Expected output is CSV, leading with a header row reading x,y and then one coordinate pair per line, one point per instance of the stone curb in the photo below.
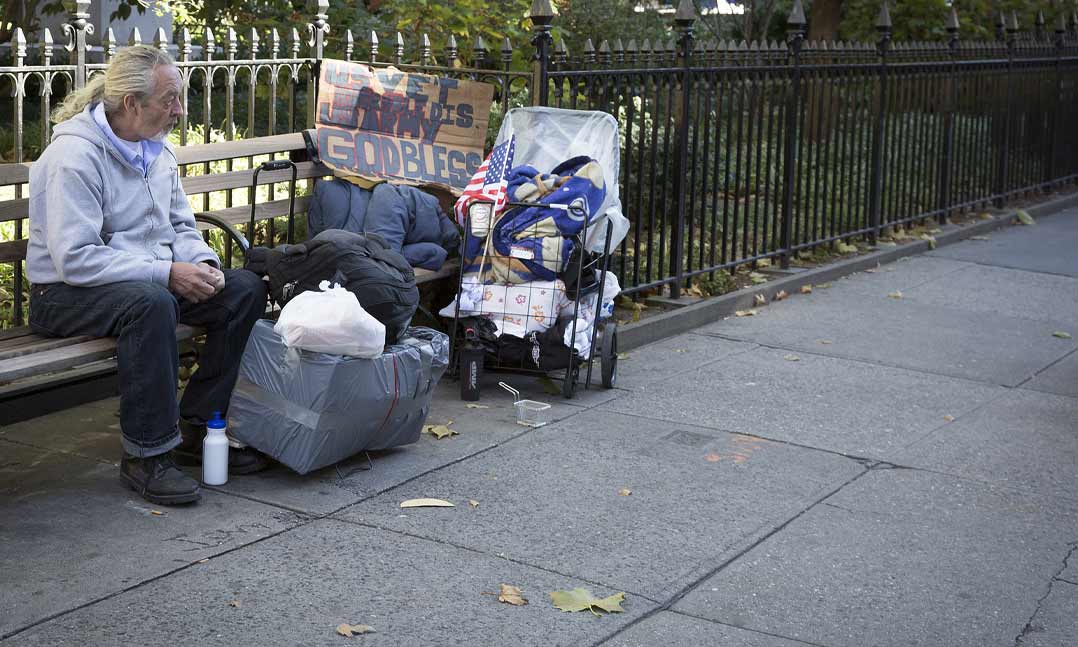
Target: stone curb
x,y
686,318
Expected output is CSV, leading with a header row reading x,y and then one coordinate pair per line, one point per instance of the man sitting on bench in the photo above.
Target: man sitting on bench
x,y
113,251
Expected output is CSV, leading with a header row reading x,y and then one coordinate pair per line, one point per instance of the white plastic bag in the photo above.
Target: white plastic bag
x,y
331,321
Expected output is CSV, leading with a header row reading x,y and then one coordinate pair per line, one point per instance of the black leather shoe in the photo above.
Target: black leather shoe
x,y
240,460
158,480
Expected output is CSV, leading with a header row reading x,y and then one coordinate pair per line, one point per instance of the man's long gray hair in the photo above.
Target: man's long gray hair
x,y
131,71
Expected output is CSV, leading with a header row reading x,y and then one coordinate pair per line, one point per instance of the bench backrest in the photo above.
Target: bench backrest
x,y
203,189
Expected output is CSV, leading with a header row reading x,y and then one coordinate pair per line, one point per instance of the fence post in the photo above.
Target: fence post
x,y
1001,176
1060,43
316,30
875,189
948,120
684,18
541,14
795,30
76,32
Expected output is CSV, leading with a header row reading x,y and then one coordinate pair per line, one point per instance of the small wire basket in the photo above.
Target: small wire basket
x,y
530,413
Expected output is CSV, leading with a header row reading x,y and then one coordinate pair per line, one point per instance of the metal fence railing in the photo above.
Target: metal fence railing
x,y
731,152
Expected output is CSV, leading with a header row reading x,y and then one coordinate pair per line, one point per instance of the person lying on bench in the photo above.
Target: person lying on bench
x,y
113,252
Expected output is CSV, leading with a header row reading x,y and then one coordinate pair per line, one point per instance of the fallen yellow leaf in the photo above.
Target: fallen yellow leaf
x,y
681,350
426,503
348,630
511,595
625,491
844,248
791,358
713,457
823,286
895,295
745,313
759,300
780,295
580,599
203,561
235,604
157,513
472,405
440,431
825,342
984,215
948,418
1061,334
1025,218
757,278
806,289
930,239
624,356
473,503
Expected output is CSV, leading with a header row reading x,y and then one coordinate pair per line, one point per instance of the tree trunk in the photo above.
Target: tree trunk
x,y
824,19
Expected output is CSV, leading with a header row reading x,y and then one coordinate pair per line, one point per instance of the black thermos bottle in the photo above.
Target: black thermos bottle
x,y
471,366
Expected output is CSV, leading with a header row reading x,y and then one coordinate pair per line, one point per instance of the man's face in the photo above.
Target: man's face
x,y
158,116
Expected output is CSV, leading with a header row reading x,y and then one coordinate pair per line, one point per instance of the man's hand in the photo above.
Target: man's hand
x,y
219,276
192,282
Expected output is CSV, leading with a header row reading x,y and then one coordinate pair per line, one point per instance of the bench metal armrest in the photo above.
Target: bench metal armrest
x,y
221,223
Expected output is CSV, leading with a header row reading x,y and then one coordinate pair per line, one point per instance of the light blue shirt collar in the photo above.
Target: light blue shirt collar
x,y
139,154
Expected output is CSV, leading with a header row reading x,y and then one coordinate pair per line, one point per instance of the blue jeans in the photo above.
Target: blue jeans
x,y
143,317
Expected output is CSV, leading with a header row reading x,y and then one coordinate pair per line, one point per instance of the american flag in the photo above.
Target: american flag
x,y
490,181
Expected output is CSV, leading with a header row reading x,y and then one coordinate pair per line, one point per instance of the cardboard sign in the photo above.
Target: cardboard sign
x,y
391,125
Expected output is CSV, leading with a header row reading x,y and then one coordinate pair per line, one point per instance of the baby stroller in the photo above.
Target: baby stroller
x,y
535,293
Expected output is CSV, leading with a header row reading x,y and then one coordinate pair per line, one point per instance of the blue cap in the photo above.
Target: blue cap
x,y
217,423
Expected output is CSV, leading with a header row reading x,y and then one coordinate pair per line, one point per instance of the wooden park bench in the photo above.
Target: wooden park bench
x,y
30,363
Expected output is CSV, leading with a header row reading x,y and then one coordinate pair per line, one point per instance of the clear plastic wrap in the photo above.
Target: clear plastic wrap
x,y
309,410
546,137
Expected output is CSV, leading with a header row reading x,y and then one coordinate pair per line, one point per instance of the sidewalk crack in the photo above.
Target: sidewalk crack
x,y
1020,638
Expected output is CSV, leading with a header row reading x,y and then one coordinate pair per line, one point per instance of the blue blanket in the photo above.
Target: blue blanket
x,y
410,220
532,243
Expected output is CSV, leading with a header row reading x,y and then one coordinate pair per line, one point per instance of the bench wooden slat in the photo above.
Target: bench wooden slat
x,y
19,172
64,357
263,211
12,333
14,209
195,184
36,344
197,153
12,251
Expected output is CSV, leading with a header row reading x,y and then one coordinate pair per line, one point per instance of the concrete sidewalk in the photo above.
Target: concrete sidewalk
x,y
889,460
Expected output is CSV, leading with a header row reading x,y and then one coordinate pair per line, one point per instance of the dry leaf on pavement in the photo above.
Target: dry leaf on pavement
x,y
791,358
510,595
624,491
426,503
348,630
473,405
931,240
1025,218
235,604
823,286
745,313
984,215
713,457
825,342
621,356
580,599
759,300
806,289
473,503
757,278
895,295
440,431
780,295
948,418
1061,334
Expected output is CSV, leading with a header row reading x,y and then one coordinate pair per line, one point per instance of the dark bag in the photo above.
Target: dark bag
x,y
380,278
538,351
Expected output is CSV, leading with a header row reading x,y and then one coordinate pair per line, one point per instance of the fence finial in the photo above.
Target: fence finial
x,y
135,38
318,27
232,43
685,15
883,18
589,51
507,51
796,21
1061,31
479,51
19,39
952,29
542,11
424,49
255,43
1038,25
160,40
604,52
185,44
1001,27
275,43
398,52
46,51
561,53
108,43
373,40
1012,24
209,47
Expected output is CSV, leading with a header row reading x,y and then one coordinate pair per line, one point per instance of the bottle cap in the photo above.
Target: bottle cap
x,y
217,422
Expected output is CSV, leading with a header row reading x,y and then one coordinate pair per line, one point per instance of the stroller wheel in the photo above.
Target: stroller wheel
x,y
609,355
572,374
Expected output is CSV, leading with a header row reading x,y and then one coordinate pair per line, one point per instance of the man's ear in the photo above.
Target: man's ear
x,y
130,102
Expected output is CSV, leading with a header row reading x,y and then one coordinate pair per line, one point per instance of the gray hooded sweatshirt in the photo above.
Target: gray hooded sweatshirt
x,y
95,219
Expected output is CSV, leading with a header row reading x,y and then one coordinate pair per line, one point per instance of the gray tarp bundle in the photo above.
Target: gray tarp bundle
x,y
309,410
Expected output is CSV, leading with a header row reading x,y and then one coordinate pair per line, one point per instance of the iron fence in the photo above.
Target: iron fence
x,y
732,152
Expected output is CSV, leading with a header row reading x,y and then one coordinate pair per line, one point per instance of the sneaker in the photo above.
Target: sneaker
x,y
241,460
158,480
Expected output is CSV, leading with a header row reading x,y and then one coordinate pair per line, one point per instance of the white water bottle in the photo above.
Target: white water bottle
x,y
215,452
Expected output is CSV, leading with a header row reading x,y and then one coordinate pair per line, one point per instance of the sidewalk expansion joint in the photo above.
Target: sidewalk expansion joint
x,y
477,551
1019,639
750,630
677,597
150,580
